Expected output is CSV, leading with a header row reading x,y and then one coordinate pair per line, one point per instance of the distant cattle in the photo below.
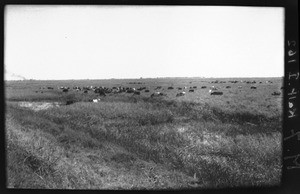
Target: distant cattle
x,y
180,94
65,90
96,100
147,90
216,93
50,88
253,87
85,91
156,94
69,102
276,93
100,91
137,92
170,88
179,88
191,90
158,87
228,87
194,86
203,87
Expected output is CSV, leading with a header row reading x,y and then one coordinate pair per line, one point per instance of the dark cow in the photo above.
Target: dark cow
x,y
85,91
203,87
228,87
180,94
100,91
156,94
137,92
50,88
69,102
158,87
276,93
216,93
170,88
147,90
191,90
195,87
130,90
65,90
253,87
179,88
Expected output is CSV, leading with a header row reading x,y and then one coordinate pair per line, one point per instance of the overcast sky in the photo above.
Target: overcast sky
x,y
99,42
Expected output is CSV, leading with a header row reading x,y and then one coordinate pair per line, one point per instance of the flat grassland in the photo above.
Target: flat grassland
x,y
129,141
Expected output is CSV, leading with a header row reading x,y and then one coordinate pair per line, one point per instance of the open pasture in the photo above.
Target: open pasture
x,y
130,141
238,96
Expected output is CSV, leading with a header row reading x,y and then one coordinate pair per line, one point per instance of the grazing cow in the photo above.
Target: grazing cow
x,y
203,87
130,90
158,87
216,93
137,92
50,88
156,94
195,87
180,94
100,91
85,91
191,90
69,102
96,100
213,88
65,90
147,90
179,88
253,87
228,87
276,93
170,88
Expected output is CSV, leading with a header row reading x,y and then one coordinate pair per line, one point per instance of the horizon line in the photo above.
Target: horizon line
x,y
141,78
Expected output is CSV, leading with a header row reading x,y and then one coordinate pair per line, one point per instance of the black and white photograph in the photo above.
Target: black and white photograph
x,y
136,97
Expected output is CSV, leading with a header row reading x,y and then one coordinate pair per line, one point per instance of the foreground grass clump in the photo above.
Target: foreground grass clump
x,y
195,139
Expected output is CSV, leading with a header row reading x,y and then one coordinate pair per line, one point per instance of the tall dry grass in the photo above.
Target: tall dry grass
x,y
215,145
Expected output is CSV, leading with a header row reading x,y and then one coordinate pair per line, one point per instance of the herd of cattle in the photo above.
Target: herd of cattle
x,y
103,91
